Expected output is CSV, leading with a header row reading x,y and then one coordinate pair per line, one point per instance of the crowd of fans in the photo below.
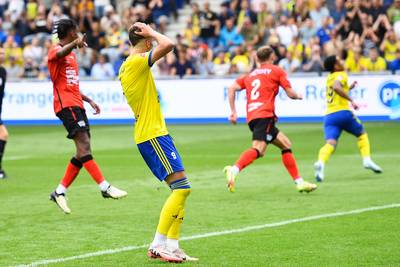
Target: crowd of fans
x,y
365,34
26,29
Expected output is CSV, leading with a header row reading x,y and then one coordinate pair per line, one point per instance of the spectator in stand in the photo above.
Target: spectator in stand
x,y
353,15
315,64
160,8
195,19
241,61
113,36
7,24
103,69
205,66
229,37
375,62
34,51
307,31
278,10
109,18
42,23
245,11
85,60
286,31
249,32
31,9
30,69
265,32
44,69
14,69
182,66
221,64
389,46
225,14
394,12
355,62
95,36
319,13
99,6
339,12
395,64
324,33
11,49
54,15
289,63
163,66
209,26
368,37
15,7
262,15
3,6
299,51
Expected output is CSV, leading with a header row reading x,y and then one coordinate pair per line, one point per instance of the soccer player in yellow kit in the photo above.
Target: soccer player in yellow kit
x,y
152,138
339,117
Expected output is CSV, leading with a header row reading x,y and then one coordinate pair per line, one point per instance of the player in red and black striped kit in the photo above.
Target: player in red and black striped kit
x,y
262,86
68,106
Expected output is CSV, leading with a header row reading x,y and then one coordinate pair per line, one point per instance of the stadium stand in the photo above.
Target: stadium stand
x,y
213,37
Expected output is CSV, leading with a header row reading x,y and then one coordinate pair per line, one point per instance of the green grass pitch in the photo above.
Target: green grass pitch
x,y
32,228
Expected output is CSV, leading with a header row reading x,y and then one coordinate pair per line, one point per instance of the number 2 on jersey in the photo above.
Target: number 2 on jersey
x,y
254,91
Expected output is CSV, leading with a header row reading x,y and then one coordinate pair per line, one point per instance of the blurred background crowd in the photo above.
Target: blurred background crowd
x,y
214,40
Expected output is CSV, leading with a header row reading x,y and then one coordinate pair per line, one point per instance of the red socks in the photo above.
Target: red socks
x,y
92,168
290,163
247,158
72,171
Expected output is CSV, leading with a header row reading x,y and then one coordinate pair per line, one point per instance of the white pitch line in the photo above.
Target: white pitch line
x,y
219,233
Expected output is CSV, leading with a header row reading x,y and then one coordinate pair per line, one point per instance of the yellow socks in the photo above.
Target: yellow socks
x,y
171,210
175,229
325,152
363,145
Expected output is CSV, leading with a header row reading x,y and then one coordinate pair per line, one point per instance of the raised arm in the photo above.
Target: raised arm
x,y
67,49
232,89
165,45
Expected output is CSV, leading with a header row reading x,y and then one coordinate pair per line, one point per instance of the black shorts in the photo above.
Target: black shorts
x,y
74,120
264,129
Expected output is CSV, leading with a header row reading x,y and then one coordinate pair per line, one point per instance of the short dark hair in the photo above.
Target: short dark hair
x,y
264,53
329,63
63,27
134,38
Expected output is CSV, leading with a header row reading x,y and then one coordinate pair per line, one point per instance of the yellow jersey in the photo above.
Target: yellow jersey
x,y
390,50
352,65
140,91
378,65
335,102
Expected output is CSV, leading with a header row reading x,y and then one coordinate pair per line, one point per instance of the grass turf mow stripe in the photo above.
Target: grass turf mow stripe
x,y
219,233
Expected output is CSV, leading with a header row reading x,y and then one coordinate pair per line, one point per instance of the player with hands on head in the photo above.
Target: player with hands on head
x,y
153,140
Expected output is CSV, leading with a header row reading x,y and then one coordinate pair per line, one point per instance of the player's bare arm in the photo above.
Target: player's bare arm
x,y
165,44
353,85
67,48
91,103
232,89
337,87
293,94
